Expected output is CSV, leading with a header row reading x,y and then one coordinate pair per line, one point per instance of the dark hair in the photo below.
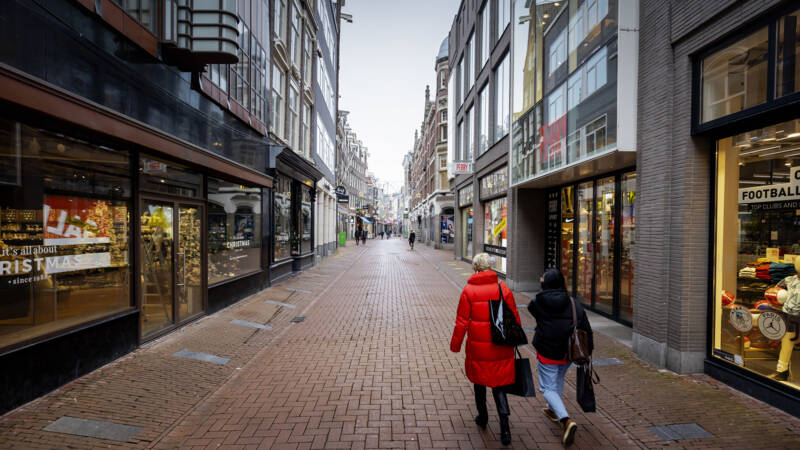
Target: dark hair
x,y
553,279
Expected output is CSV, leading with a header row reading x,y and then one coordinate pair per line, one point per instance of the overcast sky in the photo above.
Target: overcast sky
x,y
387,57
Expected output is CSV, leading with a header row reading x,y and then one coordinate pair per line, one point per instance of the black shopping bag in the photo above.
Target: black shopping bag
x,y
523,378
584,388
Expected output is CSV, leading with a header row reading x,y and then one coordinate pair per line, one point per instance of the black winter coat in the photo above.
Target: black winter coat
x,y
553,314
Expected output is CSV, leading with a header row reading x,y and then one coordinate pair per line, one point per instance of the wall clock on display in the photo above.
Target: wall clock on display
x,y
772,325
741,318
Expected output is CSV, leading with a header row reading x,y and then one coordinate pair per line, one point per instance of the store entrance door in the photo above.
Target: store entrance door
x,y
172,284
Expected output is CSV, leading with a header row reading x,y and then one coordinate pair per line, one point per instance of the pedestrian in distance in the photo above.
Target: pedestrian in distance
x,y
411,238
552,309
381,235
359,231
487,364
364,237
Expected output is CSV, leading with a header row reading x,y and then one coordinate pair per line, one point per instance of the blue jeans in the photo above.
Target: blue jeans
x,y
551,385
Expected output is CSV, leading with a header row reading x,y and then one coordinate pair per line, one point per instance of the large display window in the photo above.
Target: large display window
x,y
756,301
495,238
594,231
282,210
234,230
64,232
305,219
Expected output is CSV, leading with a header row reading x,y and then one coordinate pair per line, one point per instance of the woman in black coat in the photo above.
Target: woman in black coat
x,y
552,309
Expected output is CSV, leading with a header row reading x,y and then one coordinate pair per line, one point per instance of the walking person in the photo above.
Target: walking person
x,y
487,365
411,238
358,234
552,309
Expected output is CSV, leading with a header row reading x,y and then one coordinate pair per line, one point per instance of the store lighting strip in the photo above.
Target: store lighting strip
x,y
758,150
779,152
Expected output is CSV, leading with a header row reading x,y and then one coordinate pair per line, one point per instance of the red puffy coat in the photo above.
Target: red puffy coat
x,y
487,364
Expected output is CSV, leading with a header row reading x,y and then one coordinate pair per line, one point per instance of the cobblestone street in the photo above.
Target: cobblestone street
x,y
369,367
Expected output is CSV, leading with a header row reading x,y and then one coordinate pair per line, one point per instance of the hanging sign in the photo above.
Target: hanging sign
x,y
340,190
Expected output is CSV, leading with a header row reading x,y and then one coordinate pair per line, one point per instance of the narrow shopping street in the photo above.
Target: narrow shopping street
x,y
368,367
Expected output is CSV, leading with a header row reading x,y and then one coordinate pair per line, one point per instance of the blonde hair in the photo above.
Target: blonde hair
x,y
481,262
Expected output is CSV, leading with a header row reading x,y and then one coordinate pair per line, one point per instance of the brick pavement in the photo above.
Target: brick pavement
x,y
368,368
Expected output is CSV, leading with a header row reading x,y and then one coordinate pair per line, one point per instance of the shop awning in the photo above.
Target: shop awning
x,y
365,219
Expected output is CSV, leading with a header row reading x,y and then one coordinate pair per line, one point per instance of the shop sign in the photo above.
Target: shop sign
x,y
151,166
773,192
74,221
462,167
340,190
494,250
343,198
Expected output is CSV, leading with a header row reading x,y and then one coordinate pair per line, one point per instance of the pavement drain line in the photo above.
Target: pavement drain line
x,y
251,324
93,428
236,374
680,431
302,291
214,359
287,305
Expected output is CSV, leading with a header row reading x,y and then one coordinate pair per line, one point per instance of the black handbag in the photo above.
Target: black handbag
x,y
523,378
584,387
505,329
578,345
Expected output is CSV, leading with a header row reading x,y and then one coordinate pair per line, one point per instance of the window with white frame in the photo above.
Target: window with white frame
x,y
596,10
503,16
596,135
556,104
307,60
459,81
557,52
574,85
294,115
588,15
443,133
280,19
483,119
576,28
485,36
595,69
324,145
468,147
442,79
502,98
294,44
278,96
306,126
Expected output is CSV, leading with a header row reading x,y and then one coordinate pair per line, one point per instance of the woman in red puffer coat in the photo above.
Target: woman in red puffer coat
x,y
487,365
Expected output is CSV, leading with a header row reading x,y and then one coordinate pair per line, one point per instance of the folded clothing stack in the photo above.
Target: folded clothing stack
x,y
779,271
748,272
762,271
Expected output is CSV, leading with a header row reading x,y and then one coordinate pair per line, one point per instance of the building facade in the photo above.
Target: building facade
x,y
135,190
718,130
431,202
326,95
351,175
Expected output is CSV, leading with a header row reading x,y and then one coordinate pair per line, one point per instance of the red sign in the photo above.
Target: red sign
x,y
75,220
462,167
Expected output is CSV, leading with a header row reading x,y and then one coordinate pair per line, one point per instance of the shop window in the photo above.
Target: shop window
x,y
756,297
466,232
234,230
282,210
64,232
628,228
156,175
567,233
585,251
788,61
306,211
735,77
494,226
604,244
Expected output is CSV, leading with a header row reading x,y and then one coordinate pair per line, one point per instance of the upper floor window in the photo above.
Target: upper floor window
x,y
503,16
485,36
444,116
278,96
307,60
735,77
142,11
294,44
469,62
595,70
557,52
280,19
442,79
502,98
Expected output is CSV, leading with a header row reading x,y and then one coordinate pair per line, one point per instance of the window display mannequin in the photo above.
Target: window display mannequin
x,y
789,298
